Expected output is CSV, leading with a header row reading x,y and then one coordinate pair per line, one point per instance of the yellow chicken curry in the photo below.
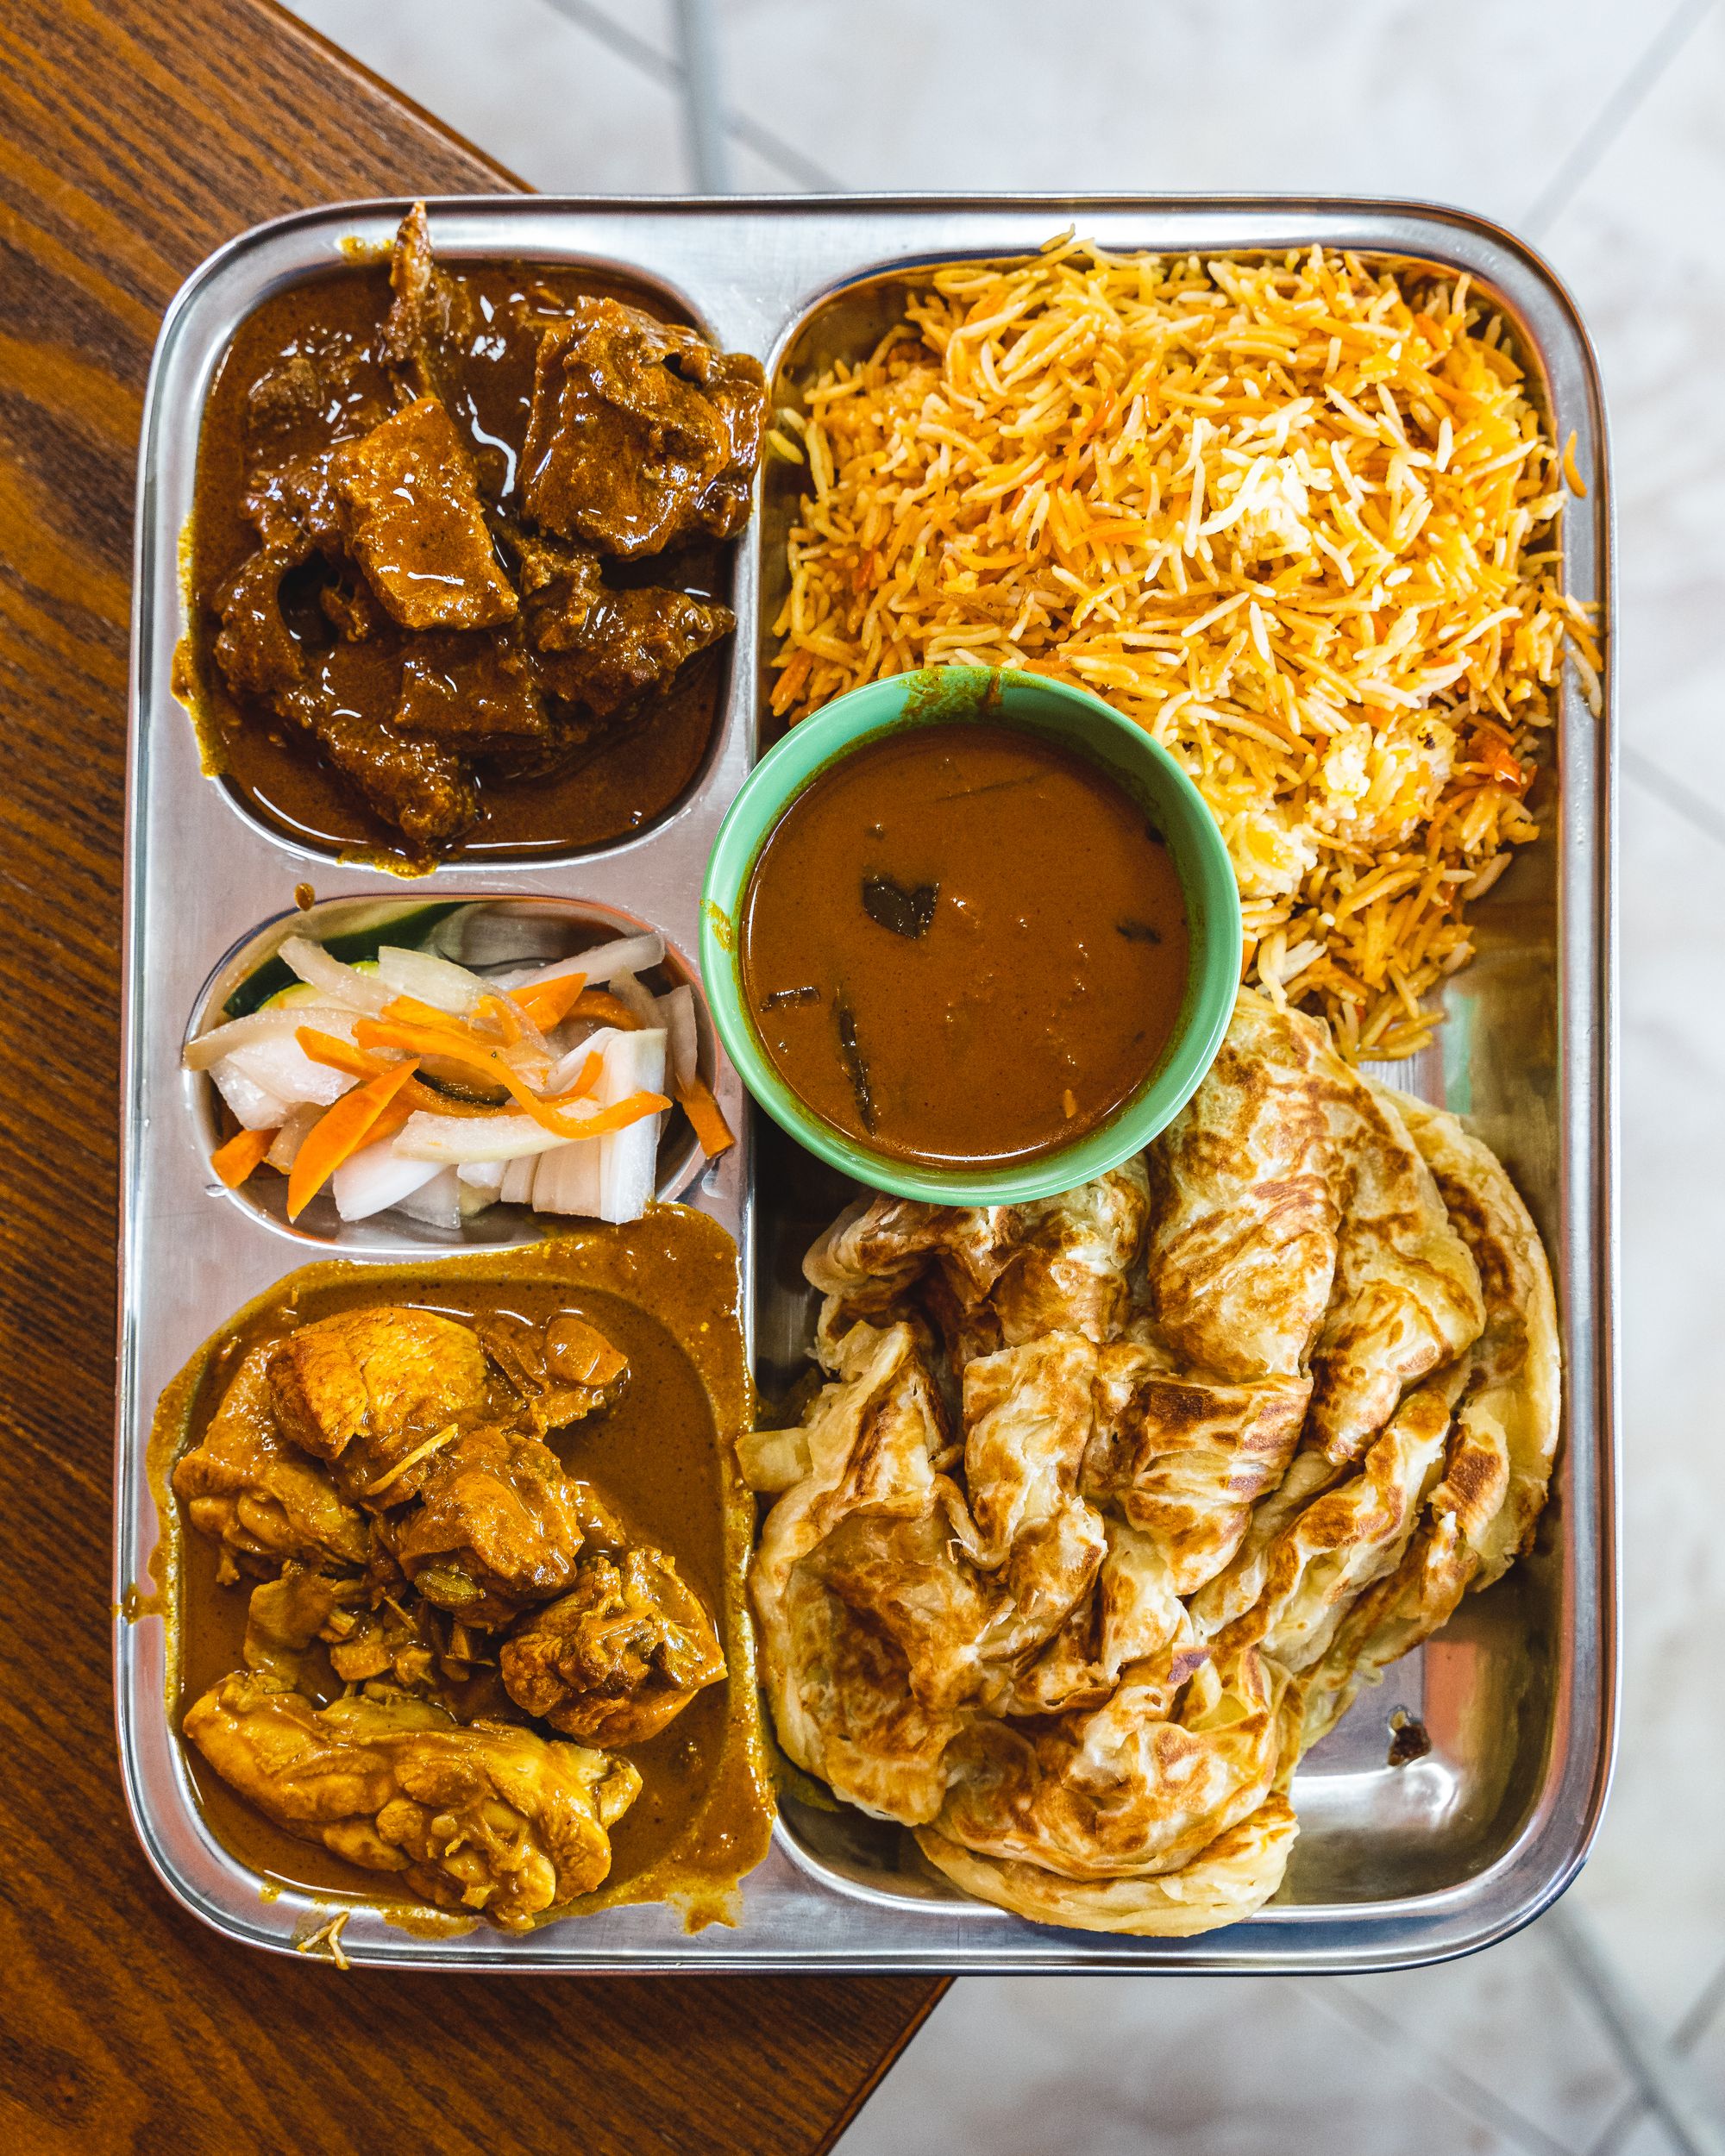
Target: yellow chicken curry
x,y
460,1604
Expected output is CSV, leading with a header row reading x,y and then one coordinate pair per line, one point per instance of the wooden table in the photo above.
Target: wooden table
x,y
135,138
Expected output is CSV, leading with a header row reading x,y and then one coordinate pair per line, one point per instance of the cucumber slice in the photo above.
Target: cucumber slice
x,y
301,992
355,947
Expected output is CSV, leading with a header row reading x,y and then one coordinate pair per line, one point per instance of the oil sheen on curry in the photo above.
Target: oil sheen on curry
x,y
456,565
965,943
459,1603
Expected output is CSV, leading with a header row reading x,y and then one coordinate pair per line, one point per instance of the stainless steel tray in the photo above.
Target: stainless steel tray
x,y
1394,1866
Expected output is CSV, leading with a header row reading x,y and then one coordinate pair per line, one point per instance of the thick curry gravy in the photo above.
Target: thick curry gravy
x,y
965,943
664,1292
620,781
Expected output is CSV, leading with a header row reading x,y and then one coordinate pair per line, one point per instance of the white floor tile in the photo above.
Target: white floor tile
x,y
1648,2138
1645,2135
1510,2021
1640,248
1101,2066
1479,105
557,107
654,21
1657,1881
1477,102
1706,2063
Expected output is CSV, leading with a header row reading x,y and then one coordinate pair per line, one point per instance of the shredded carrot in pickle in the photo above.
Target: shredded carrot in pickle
x,y
236,1160
394,1119
714,1134
587,1076
339,1131
462,1035
599,1003
415,1013
336,1054
339,1055
484,1057
491,1062
547,1003
496,1011
603,1122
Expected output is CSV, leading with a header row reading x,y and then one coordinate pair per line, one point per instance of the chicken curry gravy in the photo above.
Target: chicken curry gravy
x,y
456,561
965,943
460,1606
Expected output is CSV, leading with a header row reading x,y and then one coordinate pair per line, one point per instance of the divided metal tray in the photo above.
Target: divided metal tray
x,y
1394,1865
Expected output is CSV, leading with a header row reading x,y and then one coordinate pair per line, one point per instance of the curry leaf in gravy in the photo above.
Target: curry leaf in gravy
x,y
782,998
855,1068
909,913
1138,931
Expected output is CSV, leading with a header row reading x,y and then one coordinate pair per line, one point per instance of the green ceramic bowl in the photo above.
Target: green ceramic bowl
x,y
940,696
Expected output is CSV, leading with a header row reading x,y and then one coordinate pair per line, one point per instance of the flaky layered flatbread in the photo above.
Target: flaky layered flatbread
x,y
1228,1881
1112,1502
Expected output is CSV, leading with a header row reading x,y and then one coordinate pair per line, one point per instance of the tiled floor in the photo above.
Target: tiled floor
x,y
1594,127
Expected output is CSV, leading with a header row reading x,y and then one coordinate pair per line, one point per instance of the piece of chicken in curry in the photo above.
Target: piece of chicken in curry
x,y
617,1657
384,1475
486,1816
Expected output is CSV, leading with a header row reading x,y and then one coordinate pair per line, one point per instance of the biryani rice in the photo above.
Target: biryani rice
x,y
1296,517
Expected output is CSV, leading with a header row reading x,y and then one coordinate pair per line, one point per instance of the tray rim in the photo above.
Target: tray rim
x,y
1399,1933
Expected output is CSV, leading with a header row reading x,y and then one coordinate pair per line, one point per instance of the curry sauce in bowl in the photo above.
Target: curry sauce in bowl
x,y
970,936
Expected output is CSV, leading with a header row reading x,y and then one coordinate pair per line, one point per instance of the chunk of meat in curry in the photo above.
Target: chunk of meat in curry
x,y
401,613
375,1393
411,515
627,642
497,1526
249,1488
473,694
560,1372
431,311
418,784
641,433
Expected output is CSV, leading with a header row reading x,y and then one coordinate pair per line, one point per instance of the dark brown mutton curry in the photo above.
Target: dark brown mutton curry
x,y
457,559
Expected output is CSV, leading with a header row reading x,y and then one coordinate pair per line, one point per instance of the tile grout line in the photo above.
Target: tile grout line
x,y
659,67
1614,115
1667,2087
1468,2096
1685,2036
1699,2018
1653,778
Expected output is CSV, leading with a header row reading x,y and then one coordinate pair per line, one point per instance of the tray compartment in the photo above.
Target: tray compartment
x,y
578,923
288,792
1487,1692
